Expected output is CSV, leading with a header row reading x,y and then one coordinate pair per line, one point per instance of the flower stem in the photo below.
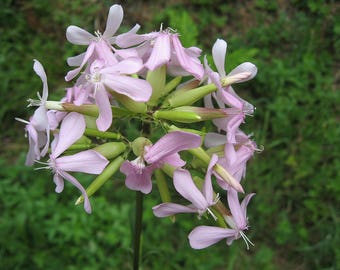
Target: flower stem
x,y
138,230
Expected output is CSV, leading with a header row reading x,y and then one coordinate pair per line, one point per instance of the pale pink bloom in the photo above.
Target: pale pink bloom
x,y
226,95
99,46
201,200
205,236
164,48
102,79
165,150
38,128
90,161
235,156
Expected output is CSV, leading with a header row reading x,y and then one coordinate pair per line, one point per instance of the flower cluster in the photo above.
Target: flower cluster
x,y
165,86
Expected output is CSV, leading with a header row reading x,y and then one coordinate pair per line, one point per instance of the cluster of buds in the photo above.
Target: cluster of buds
x,y
154,79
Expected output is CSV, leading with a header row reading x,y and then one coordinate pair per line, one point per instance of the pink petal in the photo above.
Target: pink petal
x,y
75,61
39,69
207,189
237,212
88,161
137,89
128,66
137,178
174,160
114,19
245,202
219,52
78,36
190,64
169,209
205,236
74,181
160,54
186,187
89,52
33,152
246,72
71,129
171,143
104,119
59,182
214,139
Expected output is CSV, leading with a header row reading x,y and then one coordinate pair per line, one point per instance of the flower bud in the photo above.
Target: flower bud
x,y
110,150
138,145
100,180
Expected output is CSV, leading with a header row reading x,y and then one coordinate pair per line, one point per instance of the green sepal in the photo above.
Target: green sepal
x,y
129,104
162,186
102,134
101,179
156,78
111,149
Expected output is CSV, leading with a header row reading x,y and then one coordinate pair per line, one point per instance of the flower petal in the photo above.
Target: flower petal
x,y
219,51
171,143
75,61
39,70
74,181
71,129
128,66
104,119
88,161
160,54
245,72
207,189
205,236
78,36
188,63
114,20
169,209
137,89
137,178
186,187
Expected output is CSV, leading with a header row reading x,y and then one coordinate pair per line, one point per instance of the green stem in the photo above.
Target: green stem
x,y
138,230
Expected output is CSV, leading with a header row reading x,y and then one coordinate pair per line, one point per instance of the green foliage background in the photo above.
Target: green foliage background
x,y
295,215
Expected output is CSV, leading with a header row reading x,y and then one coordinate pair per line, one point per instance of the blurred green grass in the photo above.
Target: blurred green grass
x,y
295,215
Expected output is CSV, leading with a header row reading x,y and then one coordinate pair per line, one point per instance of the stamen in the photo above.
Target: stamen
x,y
211,213
22,120
246,240
34,102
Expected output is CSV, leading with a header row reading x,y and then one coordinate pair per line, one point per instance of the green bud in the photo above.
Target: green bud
x,y
101,179
138,145
86,109
128,103
101,134
172,84
189,97
178,116
110,150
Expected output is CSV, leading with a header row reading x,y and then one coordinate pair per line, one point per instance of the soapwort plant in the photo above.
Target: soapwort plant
x,y
153,78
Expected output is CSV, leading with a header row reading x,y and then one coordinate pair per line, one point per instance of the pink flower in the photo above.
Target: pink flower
x,y
226,95
99,46
102,79
201,200
205,236
235,156
90,161
164,48
165,150
38,127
